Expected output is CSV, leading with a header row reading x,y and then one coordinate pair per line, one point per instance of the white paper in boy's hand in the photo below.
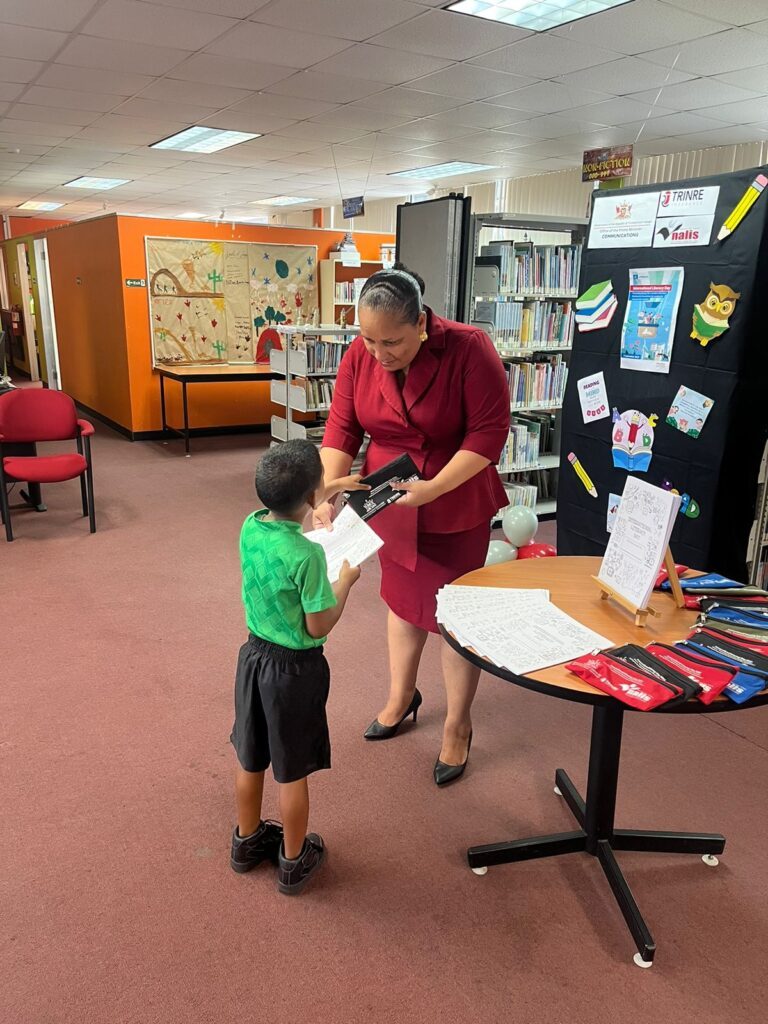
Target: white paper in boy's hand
x,y
351,540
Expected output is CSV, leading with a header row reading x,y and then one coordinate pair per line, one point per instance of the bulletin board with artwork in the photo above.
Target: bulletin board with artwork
x,y
214,302
678,372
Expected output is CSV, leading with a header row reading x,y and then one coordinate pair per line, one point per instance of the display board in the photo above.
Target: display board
x,y
684,364
433,240
220,302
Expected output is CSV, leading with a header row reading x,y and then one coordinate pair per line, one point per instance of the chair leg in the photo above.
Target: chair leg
x,y
89,490
83,491
5,508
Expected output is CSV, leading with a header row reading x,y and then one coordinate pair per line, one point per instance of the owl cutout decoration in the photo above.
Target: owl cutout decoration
x,y
632,440
710,317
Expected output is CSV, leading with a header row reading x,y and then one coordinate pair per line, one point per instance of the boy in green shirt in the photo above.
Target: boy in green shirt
x,y
282,679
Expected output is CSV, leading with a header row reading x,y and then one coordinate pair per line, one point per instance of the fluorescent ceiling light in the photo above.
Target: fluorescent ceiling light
x,y
96,183
442,170
31,205
198,139
282,201
534,15
191,215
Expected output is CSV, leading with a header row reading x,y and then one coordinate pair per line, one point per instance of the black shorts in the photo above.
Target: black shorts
x,y
280,697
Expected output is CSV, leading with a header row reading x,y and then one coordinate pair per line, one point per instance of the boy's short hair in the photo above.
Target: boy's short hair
x,y
287,475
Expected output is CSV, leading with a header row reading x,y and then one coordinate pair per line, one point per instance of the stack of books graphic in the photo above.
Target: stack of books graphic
x,y
595,308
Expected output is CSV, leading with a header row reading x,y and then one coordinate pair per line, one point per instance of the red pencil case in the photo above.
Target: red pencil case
x,y
620,681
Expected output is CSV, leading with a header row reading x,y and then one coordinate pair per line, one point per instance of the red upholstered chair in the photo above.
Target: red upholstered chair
x,y
31,415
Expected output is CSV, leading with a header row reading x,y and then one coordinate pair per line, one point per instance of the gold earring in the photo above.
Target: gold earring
x,y
423,336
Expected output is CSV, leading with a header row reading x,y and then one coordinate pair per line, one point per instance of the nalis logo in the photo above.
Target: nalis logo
x,y
678,234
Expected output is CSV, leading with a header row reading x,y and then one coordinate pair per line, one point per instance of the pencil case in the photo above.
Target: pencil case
x,y
680,685
622,681
711,676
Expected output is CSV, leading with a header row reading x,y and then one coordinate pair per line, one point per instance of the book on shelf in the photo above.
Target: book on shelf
x,y
322,356
537,322
538,381
521,494
319,392
528,268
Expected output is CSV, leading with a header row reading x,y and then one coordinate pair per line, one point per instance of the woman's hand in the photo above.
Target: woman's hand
x,y
417,493
322,516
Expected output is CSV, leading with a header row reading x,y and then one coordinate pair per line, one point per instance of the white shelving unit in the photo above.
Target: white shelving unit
x,y
485,286
293,364
335,276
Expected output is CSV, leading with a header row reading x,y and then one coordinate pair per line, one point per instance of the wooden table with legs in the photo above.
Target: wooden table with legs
x,y
572,590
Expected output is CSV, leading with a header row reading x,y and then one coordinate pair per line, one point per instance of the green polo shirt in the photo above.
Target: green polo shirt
x,y
284,576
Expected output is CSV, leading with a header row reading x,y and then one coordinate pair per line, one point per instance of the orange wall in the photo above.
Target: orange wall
x,y
210,405
30,225
87,288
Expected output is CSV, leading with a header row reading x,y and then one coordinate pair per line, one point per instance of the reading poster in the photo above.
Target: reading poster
x,y
649,321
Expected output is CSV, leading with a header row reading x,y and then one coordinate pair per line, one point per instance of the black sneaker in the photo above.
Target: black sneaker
x,y
293,875
264,844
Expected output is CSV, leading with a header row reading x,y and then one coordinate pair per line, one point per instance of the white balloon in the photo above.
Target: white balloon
x,y
499,552
519,525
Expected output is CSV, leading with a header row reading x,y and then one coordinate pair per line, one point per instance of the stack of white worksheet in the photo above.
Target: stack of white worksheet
x,y
520,630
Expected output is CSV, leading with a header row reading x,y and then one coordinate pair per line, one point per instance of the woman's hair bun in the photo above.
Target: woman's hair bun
x,y
407,270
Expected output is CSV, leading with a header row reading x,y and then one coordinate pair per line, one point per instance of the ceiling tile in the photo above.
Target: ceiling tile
x,y
243,74
53,115
141,22
619,111
429,131
551,126
29,43
639,26
344,19
471,83
444,34
728,51
549,97
409,102
44,14
673,124
697,94
72,98
44,129
746,112
755,79
10,90
283,106
381,64
735,12
241,121
204,93
534,55
230,8
119,55
286,47
333,88
627,75
19,70
192,113
359,117
308,131
480,115
726,136
91,81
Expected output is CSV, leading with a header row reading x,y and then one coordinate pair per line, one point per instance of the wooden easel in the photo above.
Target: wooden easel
x,y
641,614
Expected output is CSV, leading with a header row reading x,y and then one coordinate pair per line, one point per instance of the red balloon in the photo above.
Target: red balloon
x,y
537,551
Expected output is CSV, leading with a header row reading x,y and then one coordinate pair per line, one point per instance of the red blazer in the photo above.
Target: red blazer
x,y
455,398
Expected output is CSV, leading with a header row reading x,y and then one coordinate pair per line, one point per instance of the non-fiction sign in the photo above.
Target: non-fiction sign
x,y
605,164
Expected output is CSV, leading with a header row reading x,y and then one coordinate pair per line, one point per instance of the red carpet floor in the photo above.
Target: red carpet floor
x,y
117,903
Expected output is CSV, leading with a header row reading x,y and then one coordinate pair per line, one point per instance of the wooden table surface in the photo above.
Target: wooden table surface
x,y
216,371
570,588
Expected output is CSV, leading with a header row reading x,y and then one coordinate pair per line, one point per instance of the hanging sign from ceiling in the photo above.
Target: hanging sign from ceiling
x,y
605,164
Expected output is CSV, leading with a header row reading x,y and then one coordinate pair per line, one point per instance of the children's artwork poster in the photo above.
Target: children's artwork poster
x,y
632,439
593,397
650,318
614,500
220,302
688,412
711,317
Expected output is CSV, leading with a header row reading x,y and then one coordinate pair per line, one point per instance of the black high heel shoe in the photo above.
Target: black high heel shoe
x,y
377,731
445,773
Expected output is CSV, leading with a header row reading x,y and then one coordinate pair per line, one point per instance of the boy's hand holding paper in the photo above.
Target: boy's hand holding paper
x,y
351,540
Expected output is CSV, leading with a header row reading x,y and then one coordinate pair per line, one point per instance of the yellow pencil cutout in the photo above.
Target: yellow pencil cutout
x,y
582,475
742,208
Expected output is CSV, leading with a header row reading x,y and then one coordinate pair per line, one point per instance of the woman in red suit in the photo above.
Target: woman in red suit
x,y
437,390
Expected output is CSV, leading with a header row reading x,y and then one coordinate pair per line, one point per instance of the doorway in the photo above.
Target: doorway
x,y
46,318
28,311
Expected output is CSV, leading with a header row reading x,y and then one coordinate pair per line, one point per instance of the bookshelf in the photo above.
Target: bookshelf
x,y
340,288
521,290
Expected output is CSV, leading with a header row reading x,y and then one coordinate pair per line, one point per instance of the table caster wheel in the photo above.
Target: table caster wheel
x,y
645,964
480,871
187,456
558,791
710,860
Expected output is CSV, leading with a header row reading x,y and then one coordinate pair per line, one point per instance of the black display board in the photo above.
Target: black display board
x,y
719,469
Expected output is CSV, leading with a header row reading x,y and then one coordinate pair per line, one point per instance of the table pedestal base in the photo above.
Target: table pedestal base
x,y
596,834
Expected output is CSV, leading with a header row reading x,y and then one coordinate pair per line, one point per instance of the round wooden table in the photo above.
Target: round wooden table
x,y
572,590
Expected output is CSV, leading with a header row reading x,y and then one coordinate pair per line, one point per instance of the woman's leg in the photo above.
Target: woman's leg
x,y
405,642
461,680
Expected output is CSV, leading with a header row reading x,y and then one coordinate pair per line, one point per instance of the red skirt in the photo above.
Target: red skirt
x,y
441,558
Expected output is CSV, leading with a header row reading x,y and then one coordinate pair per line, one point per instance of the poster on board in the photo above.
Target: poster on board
x,y
648,332
623,221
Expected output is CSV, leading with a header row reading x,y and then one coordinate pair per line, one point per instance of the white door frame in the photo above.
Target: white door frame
x,y
29,326
45,315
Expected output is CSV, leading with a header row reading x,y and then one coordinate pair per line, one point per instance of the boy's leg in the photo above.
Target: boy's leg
x,y
249,788
294,810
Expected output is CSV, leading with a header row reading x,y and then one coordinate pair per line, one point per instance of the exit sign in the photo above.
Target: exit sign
x,y
135,282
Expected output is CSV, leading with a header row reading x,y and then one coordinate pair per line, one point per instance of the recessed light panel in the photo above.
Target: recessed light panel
x,y
96,183
442,170
203,140
32,205
282,201
534,15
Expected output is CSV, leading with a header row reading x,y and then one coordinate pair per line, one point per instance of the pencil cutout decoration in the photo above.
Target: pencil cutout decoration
x,y
742,208
582,474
